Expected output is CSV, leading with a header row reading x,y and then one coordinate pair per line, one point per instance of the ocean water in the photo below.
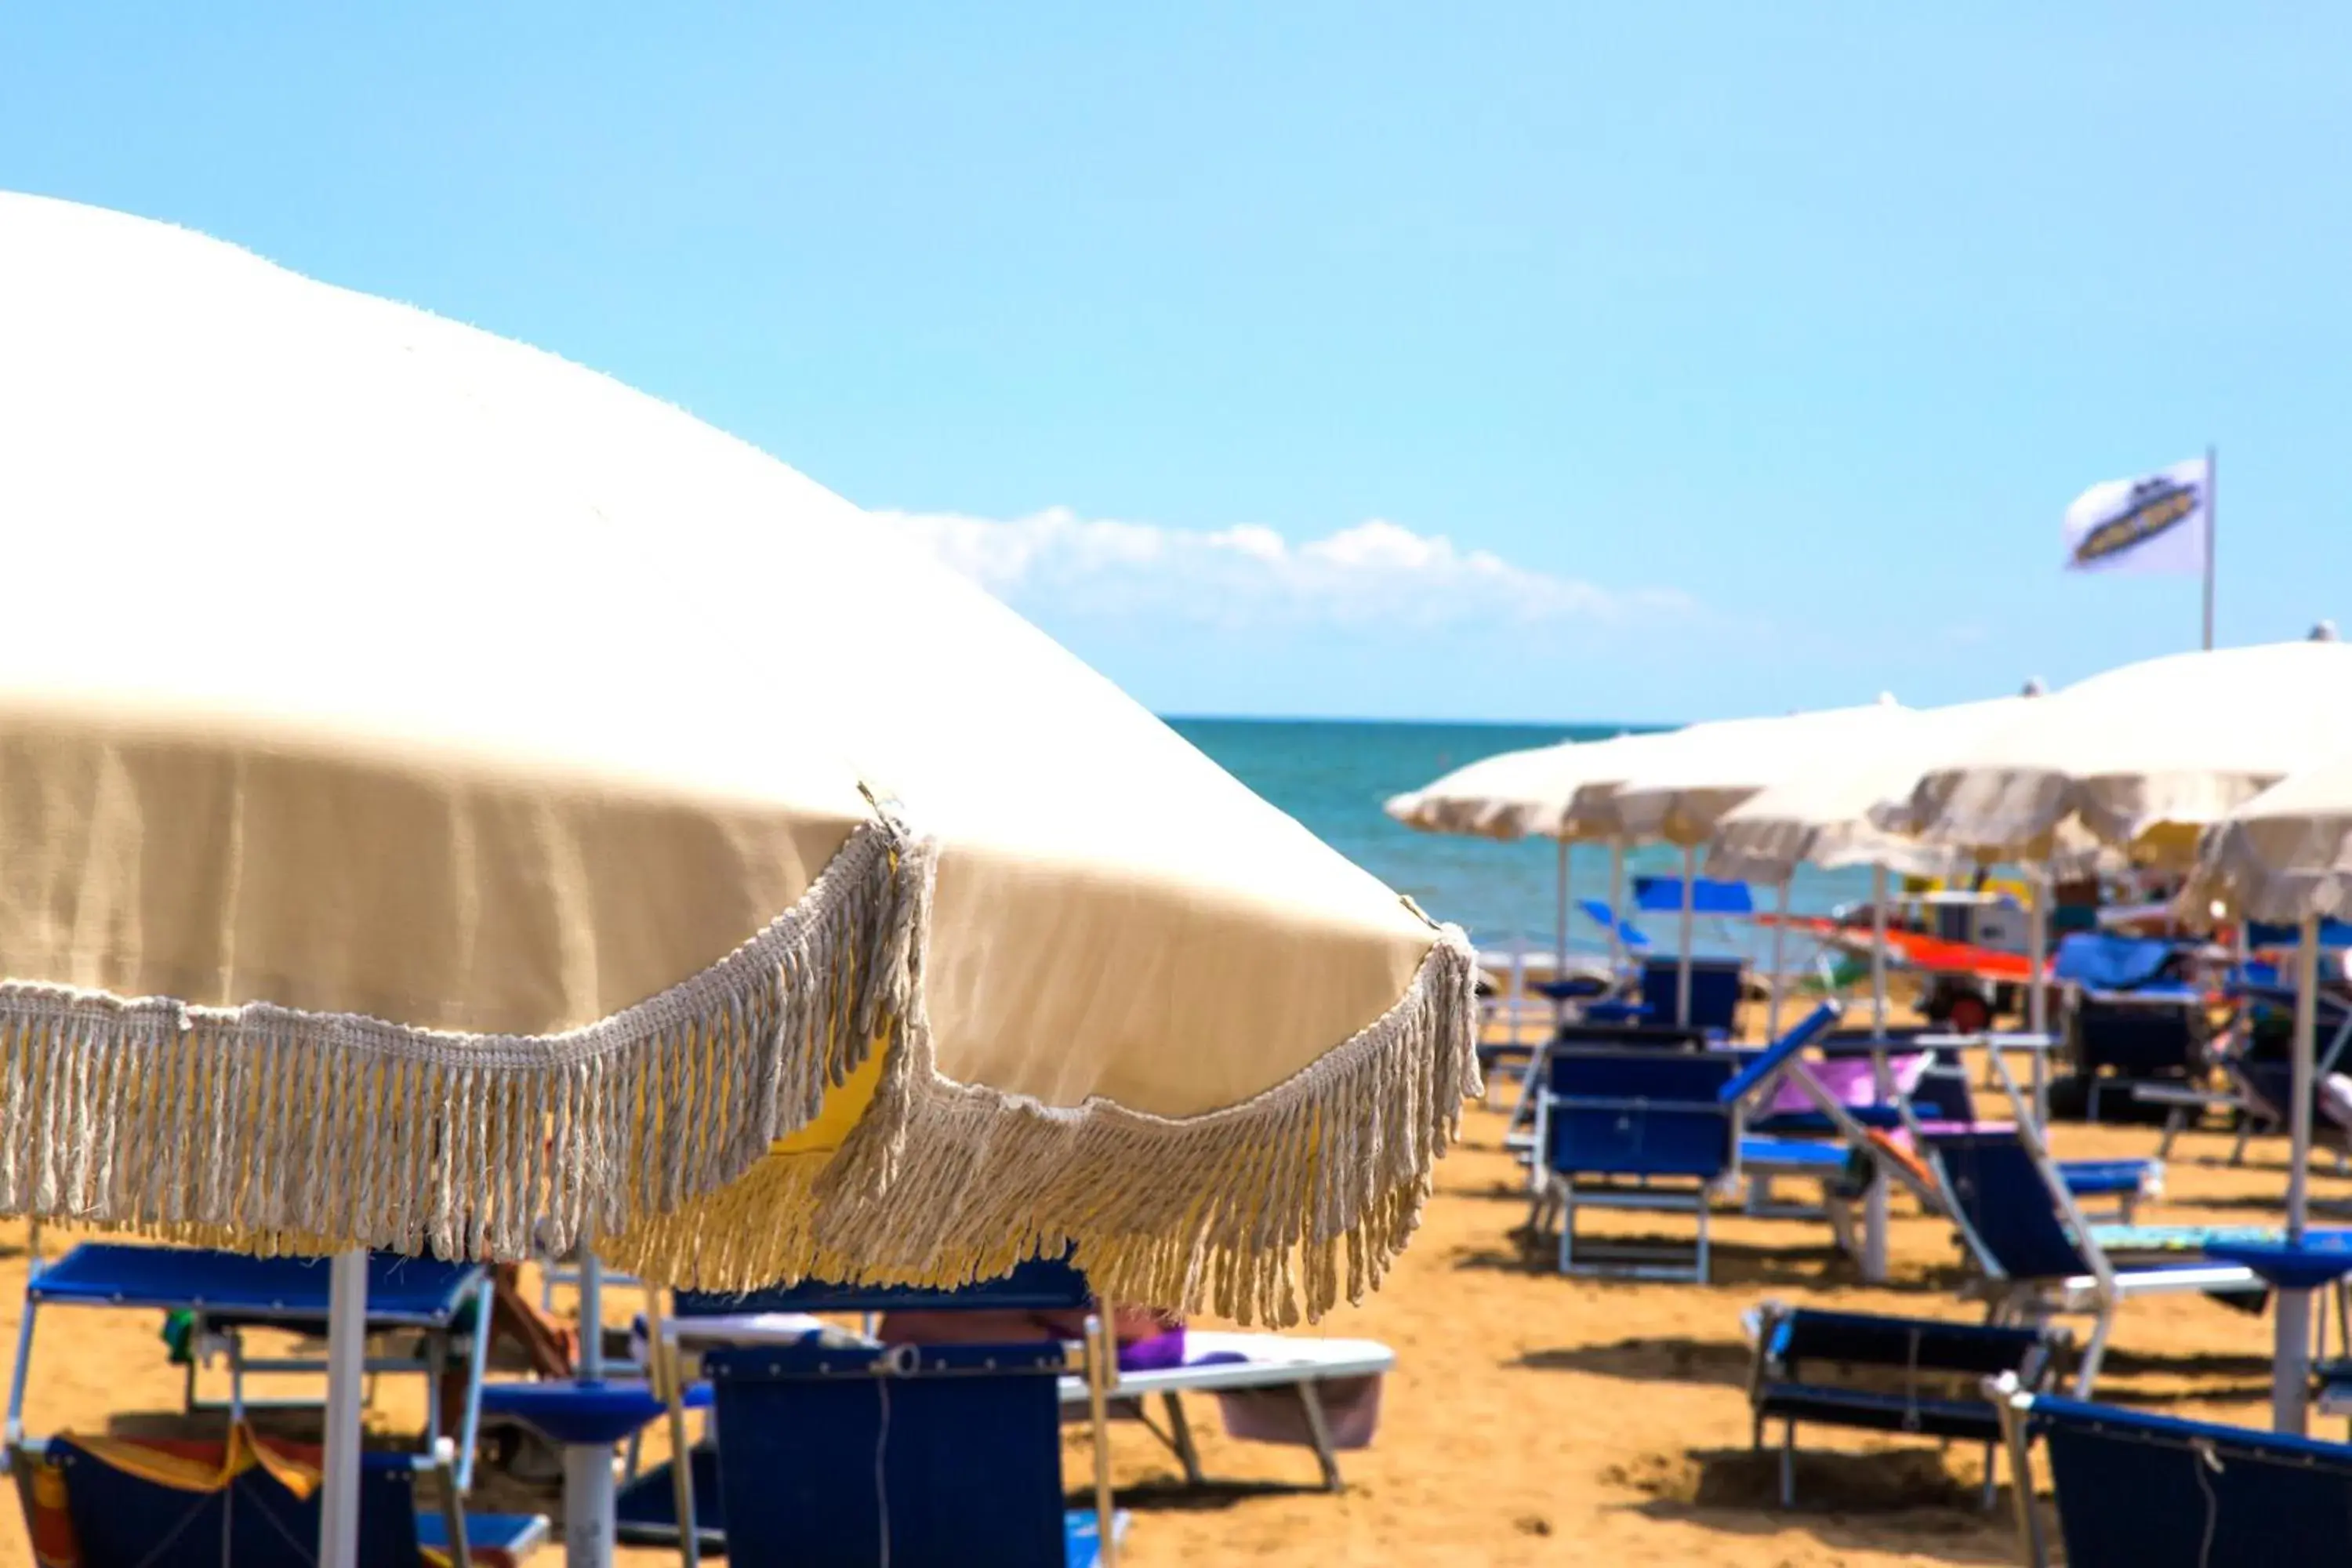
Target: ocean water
x,y
1333,775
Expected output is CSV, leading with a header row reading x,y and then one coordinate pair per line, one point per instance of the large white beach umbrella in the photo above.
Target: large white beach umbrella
x,y
1827,816
1515,795
2146,756
446,795
2142,758
1684,789
2287,856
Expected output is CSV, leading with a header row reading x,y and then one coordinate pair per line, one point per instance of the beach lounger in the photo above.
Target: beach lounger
x,y
1650,1130
225,1293
246,1502
1940,1101
1910,1375
2039,1255
2261,1087
828,1452
1522,1133
1319,1394
2138,1491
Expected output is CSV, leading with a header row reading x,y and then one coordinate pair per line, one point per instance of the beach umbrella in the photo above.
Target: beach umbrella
x,y
2145,756
2287,856
1824,816
448,799
1516,795
2142,758
1684,788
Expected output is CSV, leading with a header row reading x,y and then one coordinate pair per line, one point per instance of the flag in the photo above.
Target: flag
x,y
2158,523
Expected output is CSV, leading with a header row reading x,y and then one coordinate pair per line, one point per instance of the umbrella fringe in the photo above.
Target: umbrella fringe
x,y
1270,1211
271,1129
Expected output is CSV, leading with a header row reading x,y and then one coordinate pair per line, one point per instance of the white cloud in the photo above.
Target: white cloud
x,y
1375,571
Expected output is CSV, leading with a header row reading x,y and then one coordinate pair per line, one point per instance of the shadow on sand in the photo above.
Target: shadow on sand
x,y
1905,1500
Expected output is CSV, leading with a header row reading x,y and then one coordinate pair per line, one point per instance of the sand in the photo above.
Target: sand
x,y
1532,1420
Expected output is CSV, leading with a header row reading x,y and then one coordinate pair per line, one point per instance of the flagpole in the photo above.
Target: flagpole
x,y
2212,522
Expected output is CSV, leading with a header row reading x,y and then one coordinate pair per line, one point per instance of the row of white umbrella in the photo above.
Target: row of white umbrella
x,y
2225,764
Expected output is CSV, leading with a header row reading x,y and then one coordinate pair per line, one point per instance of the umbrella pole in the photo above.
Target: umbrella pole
x,y
2290,1320
1878,950
339,1497
2037,994
1559,944
588,1503
1779,949
1616,908
1875,1218
1683,968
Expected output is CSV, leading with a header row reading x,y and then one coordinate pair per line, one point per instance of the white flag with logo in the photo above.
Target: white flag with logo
x,y
2155,524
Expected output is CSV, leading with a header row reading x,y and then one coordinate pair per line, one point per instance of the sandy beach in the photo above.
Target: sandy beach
x,y
1532,1420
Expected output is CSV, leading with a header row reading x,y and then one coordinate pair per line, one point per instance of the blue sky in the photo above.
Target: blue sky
x,y
1535,362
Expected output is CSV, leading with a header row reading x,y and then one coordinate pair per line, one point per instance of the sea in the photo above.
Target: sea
x,y
1332,775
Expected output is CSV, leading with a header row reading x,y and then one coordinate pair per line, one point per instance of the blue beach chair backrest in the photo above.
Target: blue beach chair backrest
x,y
1715,990
1038,1285
1865,1339
1639,1112
2002,1197
1657,1037
1664,895
953,1450
1774,1057
2136,1490
125,1520
1600,914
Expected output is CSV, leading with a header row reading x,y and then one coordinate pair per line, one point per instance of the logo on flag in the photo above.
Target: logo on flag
x,y
2153,524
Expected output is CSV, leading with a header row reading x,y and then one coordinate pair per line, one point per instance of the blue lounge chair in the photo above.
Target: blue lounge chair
x,y
2261,1086
121,1517
832,1456
2136,1490
1802,1373
1715,985
1629,936
225,1292
1651,1129
2038,1255
1942,1099
2133,1020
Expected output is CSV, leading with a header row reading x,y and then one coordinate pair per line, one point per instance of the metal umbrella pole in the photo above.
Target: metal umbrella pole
x,y
1780,950
338,1493
1683,964
2037,994
1559,942
1876,1218
1616,906
2291,1321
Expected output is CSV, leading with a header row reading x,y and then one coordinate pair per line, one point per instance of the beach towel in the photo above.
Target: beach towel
x,y
1851,1080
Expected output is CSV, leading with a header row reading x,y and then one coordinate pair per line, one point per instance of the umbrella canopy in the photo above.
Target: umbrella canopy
x,y
1515,794
446,795
1682,789
2286,854
1823,815
2145,756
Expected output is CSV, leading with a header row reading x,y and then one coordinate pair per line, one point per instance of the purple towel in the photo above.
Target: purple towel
x,y
1159,1353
